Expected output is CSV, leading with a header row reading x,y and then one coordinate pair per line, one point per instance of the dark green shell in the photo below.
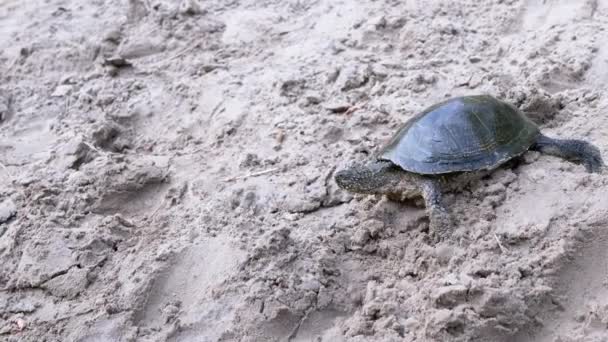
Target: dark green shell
x,y
461,134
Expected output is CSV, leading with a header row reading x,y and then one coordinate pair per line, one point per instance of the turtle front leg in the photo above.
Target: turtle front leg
x,y
440,219
571,149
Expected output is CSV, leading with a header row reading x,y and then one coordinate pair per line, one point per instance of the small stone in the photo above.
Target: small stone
x,y
302,206
21,324
336,48
537,175
337,107
494,302
387,322
494,189
4,107
112,308
445,318
292,88
134,112
171,311
99,302
113,36
353,76
380,71
22,305
474,59
190,7
450,296
333,75
137,10
105,134
360,237
505,177
461,81
396,21
372,310
249,201
312,98
375,227
378,23
411,324
426,78
311,285
117,62
8,209
370,291
494,200
105,99
250,160
75,153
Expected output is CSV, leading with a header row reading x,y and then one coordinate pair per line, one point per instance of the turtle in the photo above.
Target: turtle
x,y
451,143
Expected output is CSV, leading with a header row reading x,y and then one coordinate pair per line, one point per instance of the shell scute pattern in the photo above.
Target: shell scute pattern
x,y
461,134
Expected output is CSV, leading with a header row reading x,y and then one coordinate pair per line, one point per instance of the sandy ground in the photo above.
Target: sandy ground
x,y
167,172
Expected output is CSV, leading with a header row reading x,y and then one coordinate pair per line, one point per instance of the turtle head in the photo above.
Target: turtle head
x,y
374,178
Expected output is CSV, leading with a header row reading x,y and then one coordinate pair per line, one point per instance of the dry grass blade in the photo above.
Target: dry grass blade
x,y
7,171
254,174
502,248
177,55
93,148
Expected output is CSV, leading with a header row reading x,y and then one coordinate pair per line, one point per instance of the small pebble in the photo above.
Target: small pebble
x,y
8,209
474,59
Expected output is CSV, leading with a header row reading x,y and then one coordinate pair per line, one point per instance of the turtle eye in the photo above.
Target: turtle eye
x,y
342,178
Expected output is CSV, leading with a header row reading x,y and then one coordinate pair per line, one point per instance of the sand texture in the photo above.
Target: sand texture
x,y
167,172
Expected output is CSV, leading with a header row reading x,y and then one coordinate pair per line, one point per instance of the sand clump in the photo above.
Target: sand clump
x,y
167,172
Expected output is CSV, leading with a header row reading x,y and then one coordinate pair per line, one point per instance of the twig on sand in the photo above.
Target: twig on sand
x,y
296,329
177,55
162,204
502,248
215,110
11,67
254,174
93,148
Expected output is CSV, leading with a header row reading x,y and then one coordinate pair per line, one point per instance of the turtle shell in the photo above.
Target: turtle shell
x,y
466,133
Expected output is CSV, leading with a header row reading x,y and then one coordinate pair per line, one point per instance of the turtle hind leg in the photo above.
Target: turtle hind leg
x,y
571,149
440,220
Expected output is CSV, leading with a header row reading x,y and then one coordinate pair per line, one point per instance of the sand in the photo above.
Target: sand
x,y
167,172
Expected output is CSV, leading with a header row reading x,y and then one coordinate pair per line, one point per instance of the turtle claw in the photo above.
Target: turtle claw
x,y
593,167
589,155
440,220
593,161
441,223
